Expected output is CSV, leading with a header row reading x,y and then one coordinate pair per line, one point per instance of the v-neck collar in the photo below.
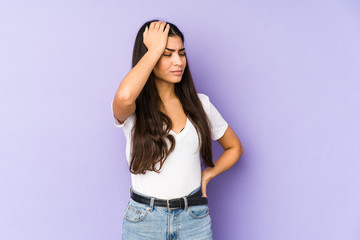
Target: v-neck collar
x,y
183,130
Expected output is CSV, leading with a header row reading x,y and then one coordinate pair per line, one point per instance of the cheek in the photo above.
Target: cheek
x,y
158,69
184,62
162,66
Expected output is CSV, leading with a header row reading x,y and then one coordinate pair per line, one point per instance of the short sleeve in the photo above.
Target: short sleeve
x,y
218,124
127,122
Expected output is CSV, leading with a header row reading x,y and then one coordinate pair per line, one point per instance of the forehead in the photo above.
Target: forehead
x,y
174,42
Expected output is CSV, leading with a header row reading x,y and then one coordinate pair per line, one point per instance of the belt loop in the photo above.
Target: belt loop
x,y
186,204
152,203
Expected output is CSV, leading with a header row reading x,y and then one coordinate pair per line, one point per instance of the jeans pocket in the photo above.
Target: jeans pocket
x,y
135,212
198,211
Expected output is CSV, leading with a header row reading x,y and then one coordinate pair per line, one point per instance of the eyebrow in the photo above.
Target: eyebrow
x,y
172,50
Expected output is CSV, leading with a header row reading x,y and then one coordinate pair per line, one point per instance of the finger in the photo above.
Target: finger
x,y
167,28
152,25
157,25
145,33
146,30
163,26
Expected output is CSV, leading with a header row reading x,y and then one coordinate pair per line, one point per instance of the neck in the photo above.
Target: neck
x,y
166,90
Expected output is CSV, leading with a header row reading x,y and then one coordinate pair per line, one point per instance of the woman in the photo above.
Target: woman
x,y
168,125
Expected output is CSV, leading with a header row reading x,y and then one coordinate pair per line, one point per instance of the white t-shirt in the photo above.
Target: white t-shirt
x,y
181,171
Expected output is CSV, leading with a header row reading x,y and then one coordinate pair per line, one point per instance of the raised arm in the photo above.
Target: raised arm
x,y
155,39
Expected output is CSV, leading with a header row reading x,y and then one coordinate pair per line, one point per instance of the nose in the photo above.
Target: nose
x,y
177,60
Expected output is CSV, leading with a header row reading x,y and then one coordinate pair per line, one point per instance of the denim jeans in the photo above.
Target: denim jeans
x,y
142,221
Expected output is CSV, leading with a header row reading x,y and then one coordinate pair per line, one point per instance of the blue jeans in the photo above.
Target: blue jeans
x,y
142,221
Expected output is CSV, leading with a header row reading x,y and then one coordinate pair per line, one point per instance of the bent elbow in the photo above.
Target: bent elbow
x,y
125,97
240,151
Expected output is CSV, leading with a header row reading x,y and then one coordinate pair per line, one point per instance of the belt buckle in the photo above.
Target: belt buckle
x,y
168,205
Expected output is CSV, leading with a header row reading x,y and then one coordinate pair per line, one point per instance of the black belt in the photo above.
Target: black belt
x,y
192,200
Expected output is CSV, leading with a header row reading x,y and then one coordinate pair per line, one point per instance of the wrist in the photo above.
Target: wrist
x,y
210,173
155,52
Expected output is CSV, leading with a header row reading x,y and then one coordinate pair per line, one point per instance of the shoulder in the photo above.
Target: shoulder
x,y
205,101
218,125
203,97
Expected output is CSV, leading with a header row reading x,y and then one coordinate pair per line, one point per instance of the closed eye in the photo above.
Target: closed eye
x,y
170,54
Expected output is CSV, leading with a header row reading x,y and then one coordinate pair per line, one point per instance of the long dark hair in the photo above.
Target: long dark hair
x,y
149,139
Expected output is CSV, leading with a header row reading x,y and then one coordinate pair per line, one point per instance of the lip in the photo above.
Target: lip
x,y
178,73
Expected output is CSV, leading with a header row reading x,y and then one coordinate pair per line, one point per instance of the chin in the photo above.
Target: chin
x,y
179,80
172,79
175,79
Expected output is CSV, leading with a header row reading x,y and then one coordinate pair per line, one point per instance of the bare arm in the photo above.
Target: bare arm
x,y
233,151
131,86
155,39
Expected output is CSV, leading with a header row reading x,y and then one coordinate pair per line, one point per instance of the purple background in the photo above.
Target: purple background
x,y
284,74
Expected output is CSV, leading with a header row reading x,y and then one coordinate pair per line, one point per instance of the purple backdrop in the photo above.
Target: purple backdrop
x,y
285,75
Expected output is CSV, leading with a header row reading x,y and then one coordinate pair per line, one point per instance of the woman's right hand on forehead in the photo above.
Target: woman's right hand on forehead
x,y
155,37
